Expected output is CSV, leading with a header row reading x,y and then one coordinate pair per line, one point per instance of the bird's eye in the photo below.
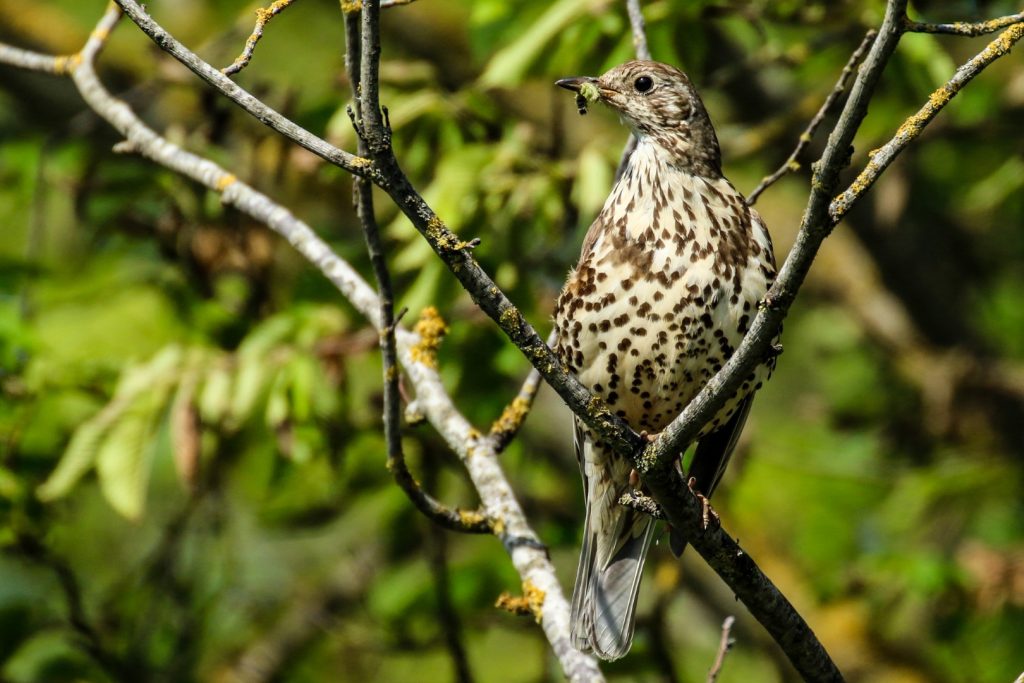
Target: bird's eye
x,y
643,84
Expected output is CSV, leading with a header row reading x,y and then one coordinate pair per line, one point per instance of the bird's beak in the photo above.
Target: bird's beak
x,y
575,82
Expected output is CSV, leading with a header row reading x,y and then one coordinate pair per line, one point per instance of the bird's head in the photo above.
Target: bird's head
x,y
660,104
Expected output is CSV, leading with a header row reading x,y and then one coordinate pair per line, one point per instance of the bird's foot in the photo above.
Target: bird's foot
x,y
650,438
707,512
634,478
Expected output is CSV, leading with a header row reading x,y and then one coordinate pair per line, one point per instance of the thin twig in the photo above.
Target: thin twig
x,y
374,130
724,645
912,127
766,603
639,29
791,164
505,428
964,28
437,512
263,16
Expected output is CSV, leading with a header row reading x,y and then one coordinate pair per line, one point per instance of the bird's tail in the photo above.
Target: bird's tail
x,y
615,544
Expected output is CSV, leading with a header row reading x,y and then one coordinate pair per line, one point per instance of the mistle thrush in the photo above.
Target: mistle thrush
x,y
669,279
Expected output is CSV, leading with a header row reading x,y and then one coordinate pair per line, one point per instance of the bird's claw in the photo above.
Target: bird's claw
x,y
650,438
707,512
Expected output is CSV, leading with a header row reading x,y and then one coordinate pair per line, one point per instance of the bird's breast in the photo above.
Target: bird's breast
x,y
663,295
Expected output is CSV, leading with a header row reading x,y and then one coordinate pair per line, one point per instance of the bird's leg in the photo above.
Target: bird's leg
x,y
707,512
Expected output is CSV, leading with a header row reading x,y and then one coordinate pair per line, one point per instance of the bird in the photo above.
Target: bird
x,y
670,277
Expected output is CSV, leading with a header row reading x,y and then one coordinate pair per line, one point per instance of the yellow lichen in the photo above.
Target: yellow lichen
x,y
224,181
509,317
438,233
535,598
530,603
350,6
65,64
431,328
471,517
360,162
512,417
498,526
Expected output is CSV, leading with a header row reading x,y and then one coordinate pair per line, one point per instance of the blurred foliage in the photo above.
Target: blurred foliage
x,y
191,466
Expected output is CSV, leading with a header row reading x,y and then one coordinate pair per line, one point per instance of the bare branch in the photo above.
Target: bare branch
x,y
33,61
263,17
724,645
636,22
791,164
964,28
912,127
452,519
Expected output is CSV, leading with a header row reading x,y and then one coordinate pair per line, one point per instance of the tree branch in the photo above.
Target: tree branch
x,y
964,28
791,164
724,645
88,637
263,17
452,519
912,127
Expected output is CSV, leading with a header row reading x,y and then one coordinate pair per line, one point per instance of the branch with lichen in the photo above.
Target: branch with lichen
x,y
964,28
263,17
880,158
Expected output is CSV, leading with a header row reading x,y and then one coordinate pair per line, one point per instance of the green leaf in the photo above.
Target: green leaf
x,y
76,461
277,401
122,463
250,381
215,396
